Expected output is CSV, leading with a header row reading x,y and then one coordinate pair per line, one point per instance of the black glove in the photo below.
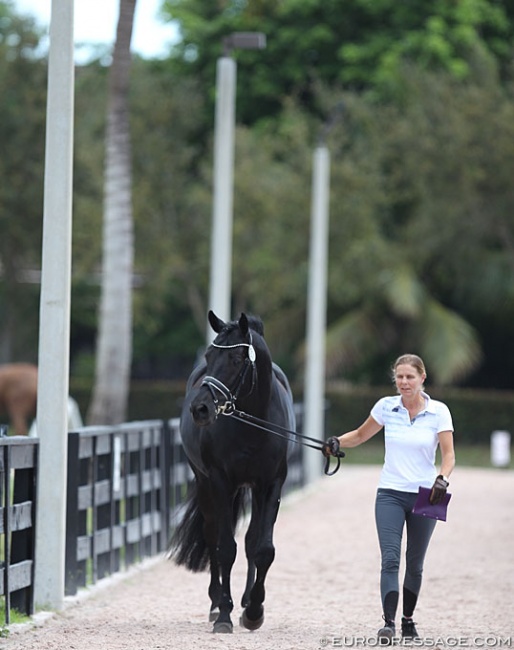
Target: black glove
x,y
331,447
438,490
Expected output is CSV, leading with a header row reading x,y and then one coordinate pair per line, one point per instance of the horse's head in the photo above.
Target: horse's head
x,y
235,360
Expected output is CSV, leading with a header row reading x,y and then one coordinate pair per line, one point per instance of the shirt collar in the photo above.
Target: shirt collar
x,y
429,406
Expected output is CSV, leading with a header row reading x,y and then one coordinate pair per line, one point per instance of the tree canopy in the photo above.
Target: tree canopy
x,y
357,45
415,103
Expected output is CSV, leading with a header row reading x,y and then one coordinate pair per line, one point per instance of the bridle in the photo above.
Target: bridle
x,y
218,387
228,407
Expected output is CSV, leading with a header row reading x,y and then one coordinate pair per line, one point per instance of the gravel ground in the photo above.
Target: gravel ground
x,y
323,588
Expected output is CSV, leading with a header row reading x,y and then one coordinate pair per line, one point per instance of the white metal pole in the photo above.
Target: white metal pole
x,y
314,392
54,330
221,244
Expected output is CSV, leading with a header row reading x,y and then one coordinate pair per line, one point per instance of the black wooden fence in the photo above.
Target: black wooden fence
x,y
125,484
18,486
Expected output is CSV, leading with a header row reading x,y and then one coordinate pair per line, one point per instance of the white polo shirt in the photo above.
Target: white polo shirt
x,y
410,446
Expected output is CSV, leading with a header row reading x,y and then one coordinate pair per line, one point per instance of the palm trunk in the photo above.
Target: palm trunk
x,y
114,344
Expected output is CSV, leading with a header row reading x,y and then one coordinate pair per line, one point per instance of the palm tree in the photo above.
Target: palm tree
x,y
114,344
401,313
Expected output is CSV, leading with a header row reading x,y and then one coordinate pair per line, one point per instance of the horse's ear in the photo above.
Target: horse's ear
x,y
216,323
243,324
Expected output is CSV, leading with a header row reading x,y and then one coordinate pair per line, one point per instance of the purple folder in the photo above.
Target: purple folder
x,y
424,508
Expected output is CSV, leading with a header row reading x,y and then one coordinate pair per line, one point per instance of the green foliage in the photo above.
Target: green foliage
x,y
271,196
441,35
22,79
90,111
360,44
22,106
171,198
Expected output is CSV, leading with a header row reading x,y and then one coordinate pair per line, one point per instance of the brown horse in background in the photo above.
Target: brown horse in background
x,y
18,394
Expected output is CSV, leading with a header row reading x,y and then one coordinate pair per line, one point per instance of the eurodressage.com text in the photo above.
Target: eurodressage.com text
x,y
488,641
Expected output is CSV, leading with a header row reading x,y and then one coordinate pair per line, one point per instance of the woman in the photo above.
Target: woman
x,y
413,426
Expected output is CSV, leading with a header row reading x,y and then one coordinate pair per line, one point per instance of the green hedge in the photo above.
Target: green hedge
x,y
476,414
148,400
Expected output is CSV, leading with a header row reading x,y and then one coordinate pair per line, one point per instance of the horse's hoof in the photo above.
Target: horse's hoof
x,y
249,623
213,614
223,628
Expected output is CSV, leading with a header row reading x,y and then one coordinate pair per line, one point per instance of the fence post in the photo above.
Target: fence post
x,y
6,493
165,483
23,541
71,581
104,467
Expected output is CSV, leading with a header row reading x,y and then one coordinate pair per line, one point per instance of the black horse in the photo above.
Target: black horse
x,y
227,457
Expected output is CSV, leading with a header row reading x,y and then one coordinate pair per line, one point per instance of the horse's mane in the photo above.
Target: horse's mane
x,y
254,322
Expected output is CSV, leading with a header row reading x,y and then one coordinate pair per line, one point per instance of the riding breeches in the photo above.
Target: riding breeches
x,y
393,511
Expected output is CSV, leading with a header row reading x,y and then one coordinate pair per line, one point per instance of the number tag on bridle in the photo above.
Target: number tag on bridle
x,y
251,353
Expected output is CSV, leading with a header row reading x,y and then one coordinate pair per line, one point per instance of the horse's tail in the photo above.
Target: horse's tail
x,y
241,501
188,546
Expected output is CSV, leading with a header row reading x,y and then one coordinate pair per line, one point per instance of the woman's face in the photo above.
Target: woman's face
x,y
408,380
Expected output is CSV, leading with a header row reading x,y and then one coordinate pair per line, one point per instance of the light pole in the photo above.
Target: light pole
x,y
223,188
314,394
54,330
314,391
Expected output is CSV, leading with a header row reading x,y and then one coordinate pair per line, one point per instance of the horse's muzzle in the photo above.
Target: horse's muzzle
x,y
202,412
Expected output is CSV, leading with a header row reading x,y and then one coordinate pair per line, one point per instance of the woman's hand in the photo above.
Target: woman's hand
x,y
331,447
438,490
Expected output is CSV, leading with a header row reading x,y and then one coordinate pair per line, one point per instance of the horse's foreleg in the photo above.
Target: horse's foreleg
x,y
251,539
211,537
226,555
268,505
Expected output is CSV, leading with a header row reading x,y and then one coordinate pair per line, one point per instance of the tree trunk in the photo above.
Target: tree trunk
x,y
114,343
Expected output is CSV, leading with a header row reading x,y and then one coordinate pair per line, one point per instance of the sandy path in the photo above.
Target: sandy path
x,y
322,590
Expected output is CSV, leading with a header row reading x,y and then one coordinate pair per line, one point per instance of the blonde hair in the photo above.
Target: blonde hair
x,y
411,360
